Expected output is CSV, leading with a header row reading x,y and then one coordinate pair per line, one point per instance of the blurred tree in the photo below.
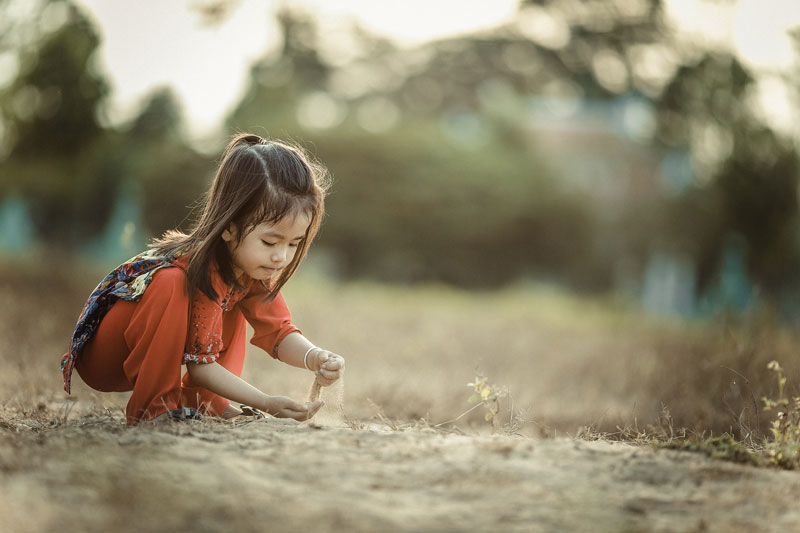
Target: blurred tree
x,y
759,187
474,93
419,196
52,131
434,163
749,167
214,12
70,167
172,176
160,118
58,92
412,206
281,79
746,175
557,48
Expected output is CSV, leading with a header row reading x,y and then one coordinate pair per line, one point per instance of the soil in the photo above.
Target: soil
x,y
93,474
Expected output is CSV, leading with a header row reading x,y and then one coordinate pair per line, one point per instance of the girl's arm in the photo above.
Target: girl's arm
x,y
220,380
328,366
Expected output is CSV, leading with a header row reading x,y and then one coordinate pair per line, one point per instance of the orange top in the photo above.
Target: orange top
x,y
271,321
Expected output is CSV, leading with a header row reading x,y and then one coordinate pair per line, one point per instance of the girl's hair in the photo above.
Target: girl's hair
x,y
258,181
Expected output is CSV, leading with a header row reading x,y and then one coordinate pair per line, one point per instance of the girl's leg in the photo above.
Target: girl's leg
x,y
234,341
139,346
100,364
156,336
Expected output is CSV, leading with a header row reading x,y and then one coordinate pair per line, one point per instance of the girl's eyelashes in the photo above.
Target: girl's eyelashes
x,y
292,245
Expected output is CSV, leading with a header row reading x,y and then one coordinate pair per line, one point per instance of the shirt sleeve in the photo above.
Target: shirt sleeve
x,y
204,337
271,321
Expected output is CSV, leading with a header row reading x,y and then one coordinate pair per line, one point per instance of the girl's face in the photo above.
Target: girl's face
x,y
268,247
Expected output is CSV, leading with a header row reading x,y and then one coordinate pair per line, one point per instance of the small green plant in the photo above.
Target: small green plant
x,y
723,447
484,395
784,449
488,396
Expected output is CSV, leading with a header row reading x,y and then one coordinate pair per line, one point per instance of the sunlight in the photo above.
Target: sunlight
x,y
208,66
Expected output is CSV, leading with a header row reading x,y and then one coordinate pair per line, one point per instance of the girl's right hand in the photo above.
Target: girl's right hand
x,y
283,407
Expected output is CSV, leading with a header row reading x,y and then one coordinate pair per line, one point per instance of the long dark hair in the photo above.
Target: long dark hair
x,y
257,181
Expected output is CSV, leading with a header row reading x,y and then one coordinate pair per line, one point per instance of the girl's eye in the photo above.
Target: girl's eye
x,y
295,244
268,243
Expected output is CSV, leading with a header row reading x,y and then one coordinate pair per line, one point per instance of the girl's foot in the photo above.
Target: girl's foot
x,y
184,413
230,412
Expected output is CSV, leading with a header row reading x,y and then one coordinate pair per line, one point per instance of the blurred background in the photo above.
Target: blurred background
x,y
639,152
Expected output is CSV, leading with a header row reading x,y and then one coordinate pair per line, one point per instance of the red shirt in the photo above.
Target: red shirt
x,y
271,321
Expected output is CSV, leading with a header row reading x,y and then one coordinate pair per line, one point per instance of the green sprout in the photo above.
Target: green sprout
x,y
488,396
784,450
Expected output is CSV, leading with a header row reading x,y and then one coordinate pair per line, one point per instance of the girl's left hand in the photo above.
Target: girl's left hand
x,y
329,366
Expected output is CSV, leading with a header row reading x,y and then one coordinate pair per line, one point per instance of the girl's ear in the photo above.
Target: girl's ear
x,y
229,234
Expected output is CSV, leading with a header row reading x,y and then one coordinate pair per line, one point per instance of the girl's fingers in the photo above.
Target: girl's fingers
x,y
292,405
330,361
329,374
309,410
314,407
289,408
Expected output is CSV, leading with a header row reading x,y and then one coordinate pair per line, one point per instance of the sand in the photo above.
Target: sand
x,y
90,473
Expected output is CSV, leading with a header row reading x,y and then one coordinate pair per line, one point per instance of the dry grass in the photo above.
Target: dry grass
x,y
392,451
567,365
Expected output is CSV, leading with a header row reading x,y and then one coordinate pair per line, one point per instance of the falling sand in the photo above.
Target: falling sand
x,y
337,394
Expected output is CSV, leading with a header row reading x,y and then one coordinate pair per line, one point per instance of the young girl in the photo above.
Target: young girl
x,y
188,298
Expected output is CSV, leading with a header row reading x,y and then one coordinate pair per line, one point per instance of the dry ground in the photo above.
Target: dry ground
x,y
373,460
276,475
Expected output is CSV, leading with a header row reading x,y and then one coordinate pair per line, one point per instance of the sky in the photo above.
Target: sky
x,y
151,43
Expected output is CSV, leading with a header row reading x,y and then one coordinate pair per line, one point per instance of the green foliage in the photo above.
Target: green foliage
x,y
67,165
171,176
423,205
784,448
51,127
751,191
51,108
723,447
418,207
449,184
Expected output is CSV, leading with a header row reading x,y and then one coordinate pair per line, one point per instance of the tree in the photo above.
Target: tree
x,y
51,115
445,115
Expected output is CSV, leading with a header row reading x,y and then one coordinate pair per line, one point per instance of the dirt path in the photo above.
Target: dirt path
x,y
275,475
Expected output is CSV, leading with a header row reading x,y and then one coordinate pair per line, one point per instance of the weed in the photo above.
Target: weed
x,y
662,433
484,395
352,423
784,449
488,396
381,416
723,447
747,432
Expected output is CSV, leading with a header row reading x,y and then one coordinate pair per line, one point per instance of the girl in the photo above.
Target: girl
x,y
188,298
